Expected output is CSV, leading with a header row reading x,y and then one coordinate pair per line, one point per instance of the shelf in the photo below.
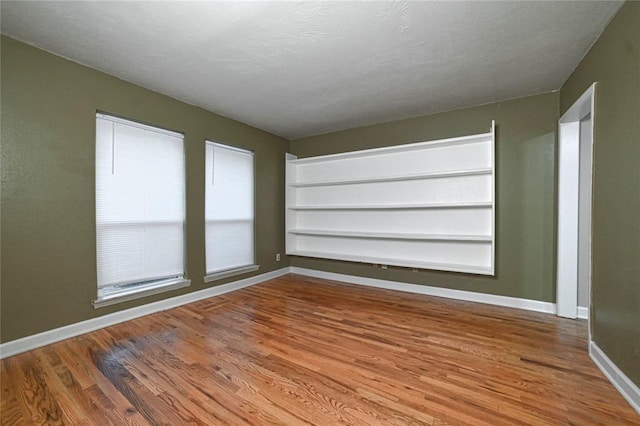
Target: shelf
x,y
416,176
471,269
393,235
340,203
463,140
475,204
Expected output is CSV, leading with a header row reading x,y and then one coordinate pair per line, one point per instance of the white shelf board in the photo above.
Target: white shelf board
x,y
473,204
416,176
471,269
463,140
393,235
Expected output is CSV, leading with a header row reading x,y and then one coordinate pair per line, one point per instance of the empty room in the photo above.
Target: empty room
x,y
320,213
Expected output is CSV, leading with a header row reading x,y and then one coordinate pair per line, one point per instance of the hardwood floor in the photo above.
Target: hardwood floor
x,y
299,350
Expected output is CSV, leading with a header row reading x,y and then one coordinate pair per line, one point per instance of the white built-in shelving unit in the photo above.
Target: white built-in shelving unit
x,y
428,205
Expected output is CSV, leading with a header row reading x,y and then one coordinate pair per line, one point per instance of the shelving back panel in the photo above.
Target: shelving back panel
x,y
475,254
431,158
454,221
438,194
458,189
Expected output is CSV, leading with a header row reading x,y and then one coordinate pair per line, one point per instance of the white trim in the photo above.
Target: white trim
x,y
461,140
140,292
583,313
28,343
491,299
149,127
618,379
581,107
229,147
568,184
568,201
448,205
213,276
493,197
392,235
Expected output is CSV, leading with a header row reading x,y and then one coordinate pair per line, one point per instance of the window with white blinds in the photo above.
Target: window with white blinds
x,y
229,209
140,213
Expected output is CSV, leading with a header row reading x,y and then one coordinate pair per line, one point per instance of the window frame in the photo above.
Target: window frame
x,y
142,289
230,272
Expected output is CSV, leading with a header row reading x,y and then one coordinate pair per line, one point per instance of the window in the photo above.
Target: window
x,y
140,211
229,211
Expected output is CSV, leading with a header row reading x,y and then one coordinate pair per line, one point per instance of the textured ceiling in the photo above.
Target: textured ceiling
x,y
303,68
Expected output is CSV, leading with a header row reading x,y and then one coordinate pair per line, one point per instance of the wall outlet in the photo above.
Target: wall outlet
x,y
383,266
277,257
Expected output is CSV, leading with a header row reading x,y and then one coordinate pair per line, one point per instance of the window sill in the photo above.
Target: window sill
x,y
230,273
137,293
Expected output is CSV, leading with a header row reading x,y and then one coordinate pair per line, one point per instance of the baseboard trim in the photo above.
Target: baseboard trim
x,y
618,379
491,299
28,343
583,313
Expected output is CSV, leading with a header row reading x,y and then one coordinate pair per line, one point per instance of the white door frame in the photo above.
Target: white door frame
x,y
568,207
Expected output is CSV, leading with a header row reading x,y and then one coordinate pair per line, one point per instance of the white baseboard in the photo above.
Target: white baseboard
x,y
28,343
620,381
491,299
583,313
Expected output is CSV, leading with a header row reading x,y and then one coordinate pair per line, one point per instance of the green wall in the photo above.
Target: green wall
x,y
525,215
48,204
614,62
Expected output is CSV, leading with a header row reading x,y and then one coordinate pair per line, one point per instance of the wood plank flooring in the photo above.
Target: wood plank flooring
x,y
299,350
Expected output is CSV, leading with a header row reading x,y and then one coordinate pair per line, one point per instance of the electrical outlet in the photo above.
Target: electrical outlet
x,y
277,257
383,266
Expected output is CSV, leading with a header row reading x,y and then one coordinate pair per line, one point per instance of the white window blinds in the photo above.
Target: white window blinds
x,y
229,209
140,214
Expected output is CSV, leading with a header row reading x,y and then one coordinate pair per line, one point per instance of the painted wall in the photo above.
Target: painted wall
x,y
48,203
525,215
614,62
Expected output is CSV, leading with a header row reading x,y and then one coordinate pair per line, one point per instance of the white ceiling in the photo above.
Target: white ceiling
x,y
303,68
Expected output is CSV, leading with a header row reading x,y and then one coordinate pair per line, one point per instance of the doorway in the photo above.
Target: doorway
x,y
575,183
